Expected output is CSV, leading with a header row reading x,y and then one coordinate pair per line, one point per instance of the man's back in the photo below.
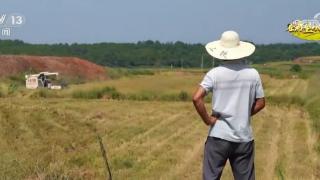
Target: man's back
x,y
237,95
235,87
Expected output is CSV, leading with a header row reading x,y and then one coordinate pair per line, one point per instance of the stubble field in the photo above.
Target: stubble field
x,y
56,138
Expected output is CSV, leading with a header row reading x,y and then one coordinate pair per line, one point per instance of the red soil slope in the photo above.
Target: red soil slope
x,y
70,67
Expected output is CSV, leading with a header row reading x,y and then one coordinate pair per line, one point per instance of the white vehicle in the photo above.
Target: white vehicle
x,y
34,81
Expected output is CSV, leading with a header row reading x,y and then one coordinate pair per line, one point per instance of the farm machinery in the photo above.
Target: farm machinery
x,y
41,80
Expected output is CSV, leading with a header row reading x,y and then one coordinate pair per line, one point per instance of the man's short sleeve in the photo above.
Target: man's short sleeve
x,y
259,89
207,82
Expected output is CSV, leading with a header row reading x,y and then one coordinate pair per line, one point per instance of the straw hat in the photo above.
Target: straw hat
x,y
229,47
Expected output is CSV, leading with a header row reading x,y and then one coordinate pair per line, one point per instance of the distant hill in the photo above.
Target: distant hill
x,y
153,53
68,67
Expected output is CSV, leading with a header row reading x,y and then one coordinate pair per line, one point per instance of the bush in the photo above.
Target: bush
x,y
296,68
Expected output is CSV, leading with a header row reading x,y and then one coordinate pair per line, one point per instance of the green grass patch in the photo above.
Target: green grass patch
x,y
116,73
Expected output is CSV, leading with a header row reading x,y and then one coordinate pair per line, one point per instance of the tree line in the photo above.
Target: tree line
x,y
153,53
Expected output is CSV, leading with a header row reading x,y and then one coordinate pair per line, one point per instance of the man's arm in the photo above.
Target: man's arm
x,y
258,105
198,102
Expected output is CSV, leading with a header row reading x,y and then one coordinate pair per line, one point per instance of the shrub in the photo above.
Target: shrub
x,y
296,68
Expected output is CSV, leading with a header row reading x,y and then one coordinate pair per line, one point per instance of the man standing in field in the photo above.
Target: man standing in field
x,y
237,95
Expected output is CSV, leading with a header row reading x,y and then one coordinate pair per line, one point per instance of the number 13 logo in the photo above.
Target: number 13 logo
x,y
16,20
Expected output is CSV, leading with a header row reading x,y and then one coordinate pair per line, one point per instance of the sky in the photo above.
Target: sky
x,y
190,21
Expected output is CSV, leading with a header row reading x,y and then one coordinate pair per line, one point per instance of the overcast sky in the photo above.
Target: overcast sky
x,y
192,21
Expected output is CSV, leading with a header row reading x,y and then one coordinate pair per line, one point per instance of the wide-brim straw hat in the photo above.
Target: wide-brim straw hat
x,y
229,47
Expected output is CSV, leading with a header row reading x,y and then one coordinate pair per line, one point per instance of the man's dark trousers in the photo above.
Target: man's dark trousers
x,y
241,156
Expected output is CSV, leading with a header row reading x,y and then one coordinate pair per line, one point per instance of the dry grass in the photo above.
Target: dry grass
x,y
145,140
53,138
167,82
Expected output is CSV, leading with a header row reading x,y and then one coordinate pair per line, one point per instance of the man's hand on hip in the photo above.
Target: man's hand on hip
x,y
212,120
201,109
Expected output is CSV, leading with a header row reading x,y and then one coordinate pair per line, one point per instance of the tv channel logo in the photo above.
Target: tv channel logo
x,y
10,21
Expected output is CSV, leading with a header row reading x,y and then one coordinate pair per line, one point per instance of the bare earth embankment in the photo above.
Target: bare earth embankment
x,y
71,67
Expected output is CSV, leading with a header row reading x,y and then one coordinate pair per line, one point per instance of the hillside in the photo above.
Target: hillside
x,y
68,67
